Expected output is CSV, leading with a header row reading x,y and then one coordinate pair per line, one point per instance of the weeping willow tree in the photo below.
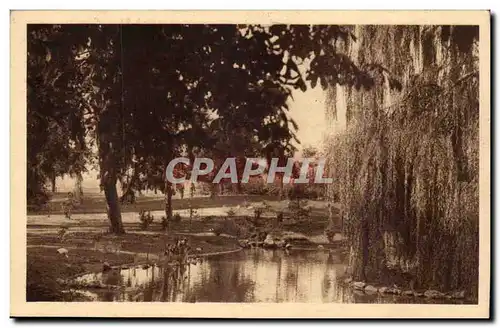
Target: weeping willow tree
x,y
406,164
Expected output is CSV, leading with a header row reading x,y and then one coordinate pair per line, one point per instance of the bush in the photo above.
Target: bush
x,y
300,209
260,188
37,194
37,200
205,189
330,234
279,217
193,213
146,219
255,188
176,218
164,223
230,213
232,227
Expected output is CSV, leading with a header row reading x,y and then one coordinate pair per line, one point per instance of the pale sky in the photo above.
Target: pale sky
x,y
306,108
308,111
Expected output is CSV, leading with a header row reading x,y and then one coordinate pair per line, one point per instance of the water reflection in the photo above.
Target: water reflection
x,y
254,275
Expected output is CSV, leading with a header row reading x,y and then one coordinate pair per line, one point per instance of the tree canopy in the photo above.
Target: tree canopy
x,y
143,94
407,166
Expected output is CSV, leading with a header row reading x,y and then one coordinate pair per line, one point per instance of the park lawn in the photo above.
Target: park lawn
x,y
95,203
132,242
89,245
205,207
47,268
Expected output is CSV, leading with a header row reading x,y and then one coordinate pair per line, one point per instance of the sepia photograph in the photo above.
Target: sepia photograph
x,y
282,160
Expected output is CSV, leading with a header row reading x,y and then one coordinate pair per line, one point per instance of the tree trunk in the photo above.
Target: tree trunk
x,y
239,189
365,244
108,184
281,188
78,192
114,213
53,182
457,133
168,201
129,190
110,127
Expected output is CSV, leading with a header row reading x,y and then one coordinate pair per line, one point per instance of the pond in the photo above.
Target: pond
x,y
254,275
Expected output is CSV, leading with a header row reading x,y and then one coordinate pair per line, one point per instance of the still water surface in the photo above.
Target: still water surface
x,y
255,275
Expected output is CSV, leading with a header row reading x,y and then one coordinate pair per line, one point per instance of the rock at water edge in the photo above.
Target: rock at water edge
x,y
358,285
371,289
433,294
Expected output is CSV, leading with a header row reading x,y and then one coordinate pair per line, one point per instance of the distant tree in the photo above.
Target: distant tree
x,y
309,152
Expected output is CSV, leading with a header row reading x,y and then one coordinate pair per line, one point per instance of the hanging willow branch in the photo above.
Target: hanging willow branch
x,y
407,173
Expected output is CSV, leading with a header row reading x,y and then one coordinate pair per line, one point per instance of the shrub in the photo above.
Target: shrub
x,y
37,201
232,227
176,218
146,219
279,217
300,209
330,233
273,189
205,189
257,213
230,213
193,213
255,188
37,194
164,223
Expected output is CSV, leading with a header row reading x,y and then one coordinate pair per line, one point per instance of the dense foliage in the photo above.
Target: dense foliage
x,y
129,98
407,166
56,142
143,94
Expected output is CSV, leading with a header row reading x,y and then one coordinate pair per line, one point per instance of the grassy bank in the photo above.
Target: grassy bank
x,y
95,203
89,245
88,251
46,268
